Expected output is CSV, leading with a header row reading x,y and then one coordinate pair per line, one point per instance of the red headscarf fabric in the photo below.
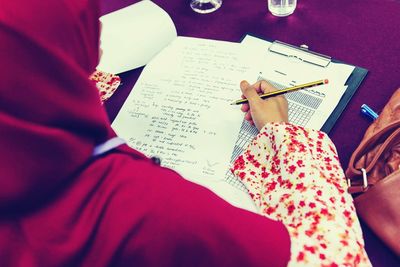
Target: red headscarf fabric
x,y
50,117
59,205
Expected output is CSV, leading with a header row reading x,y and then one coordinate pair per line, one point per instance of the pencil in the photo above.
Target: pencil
x,y
289,89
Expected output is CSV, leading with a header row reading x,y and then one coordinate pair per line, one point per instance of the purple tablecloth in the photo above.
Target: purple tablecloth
x,y
365,33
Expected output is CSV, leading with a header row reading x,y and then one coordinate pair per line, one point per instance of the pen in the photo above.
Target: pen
x,y
289,89
368,112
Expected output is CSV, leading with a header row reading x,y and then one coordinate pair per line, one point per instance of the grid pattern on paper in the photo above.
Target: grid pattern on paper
x,y
234,181
246,134
299,115
301,108
303,98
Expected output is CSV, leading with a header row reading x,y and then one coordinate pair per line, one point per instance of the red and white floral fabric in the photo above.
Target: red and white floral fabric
x,y
293,175
107,83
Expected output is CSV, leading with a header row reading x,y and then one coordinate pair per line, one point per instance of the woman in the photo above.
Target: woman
x,y
72,195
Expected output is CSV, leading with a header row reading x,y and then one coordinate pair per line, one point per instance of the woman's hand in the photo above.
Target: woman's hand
x,y
261,111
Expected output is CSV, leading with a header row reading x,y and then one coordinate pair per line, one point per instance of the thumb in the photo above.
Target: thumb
x,y
249,92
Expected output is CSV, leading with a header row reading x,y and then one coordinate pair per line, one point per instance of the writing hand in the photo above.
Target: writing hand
x,y
261,111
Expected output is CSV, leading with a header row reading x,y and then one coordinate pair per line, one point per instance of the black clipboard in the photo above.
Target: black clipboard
x,y
304,54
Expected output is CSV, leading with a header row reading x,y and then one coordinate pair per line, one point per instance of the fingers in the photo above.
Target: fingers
x,y
244,107
247,116
259,112
250,93
264,86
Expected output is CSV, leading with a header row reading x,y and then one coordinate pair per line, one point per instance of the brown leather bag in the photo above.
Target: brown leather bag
x,y
374,175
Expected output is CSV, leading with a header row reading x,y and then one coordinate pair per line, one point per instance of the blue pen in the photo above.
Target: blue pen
x,y
368,112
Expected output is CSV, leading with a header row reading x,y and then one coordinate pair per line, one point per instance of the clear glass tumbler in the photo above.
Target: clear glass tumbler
x,y
205,6
282,8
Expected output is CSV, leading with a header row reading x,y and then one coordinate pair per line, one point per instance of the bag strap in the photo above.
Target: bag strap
x,y
357,185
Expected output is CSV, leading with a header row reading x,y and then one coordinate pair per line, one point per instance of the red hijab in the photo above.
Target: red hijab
x,y
50,113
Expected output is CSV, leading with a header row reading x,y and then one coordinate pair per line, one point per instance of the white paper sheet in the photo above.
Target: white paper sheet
x,y
179,110
132,36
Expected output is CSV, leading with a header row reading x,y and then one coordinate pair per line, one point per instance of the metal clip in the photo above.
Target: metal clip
x,y
365,180
358,188
301,53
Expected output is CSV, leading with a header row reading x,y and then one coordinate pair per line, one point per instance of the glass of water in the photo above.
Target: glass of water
x,y
205,6
282,8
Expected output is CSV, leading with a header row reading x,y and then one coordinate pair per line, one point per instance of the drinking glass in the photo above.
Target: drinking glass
x,y
205,6
282,8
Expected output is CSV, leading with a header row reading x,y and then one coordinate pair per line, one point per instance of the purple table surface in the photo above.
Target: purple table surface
x,y
364,33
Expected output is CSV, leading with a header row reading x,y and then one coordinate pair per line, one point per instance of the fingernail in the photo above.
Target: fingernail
x,y
244,83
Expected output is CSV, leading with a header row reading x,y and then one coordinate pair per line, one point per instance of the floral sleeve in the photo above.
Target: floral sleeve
x,y
293,175
106,83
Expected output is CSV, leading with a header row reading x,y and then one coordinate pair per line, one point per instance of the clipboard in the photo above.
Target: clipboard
x,y
307,56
